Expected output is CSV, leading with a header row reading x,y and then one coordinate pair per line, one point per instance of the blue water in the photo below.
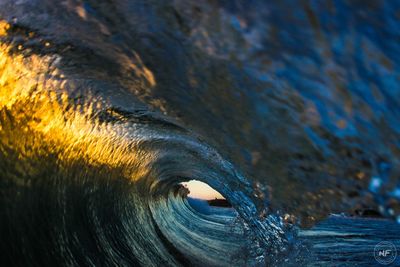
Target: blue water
x,y
290,109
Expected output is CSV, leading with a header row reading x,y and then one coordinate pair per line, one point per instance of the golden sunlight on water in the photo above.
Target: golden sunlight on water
x,y
33,98
201,190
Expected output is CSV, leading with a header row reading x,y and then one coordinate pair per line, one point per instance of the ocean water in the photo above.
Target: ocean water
x,y
289,109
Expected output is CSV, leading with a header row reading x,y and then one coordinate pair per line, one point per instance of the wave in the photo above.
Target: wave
x,y
94,180
105,108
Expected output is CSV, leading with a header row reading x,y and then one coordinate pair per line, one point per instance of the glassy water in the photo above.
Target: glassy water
x,y
289,109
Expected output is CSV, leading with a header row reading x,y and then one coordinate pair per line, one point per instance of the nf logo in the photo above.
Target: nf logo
x,y
385,252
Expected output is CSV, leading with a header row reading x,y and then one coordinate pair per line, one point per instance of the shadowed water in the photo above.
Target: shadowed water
x,y
289,109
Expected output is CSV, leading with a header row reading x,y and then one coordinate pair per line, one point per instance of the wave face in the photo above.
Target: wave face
x,y
106,107
98,180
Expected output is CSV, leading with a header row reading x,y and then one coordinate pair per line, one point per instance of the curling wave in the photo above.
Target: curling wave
x,y
107,106
96,180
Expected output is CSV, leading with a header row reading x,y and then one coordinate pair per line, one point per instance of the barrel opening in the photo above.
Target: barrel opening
x,y
198,190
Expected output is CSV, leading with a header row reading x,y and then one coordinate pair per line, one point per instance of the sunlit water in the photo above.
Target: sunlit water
x,y
289,109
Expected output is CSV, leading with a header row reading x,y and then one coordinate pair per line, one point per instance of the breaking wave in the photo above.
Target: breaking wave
x,y
105,108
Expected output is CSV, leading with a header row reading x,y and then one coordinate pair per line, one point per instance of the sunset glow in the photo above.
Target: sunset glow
x,y
202,190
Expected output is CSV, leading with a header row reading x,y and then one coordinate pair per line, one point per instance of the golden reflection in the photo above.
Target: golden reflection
x,y
37,118
4,26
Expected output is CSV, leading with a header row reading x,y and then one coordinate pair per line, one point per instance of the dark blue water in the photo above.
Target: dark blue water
x,y
290,109
351,242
